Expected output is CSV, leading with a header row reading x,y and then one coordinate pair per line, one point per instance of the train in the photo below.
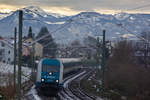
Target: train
x,y
51,72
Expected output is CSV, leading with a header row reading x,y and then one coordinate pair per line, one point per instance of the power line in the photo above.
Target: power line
x,y
44,36
33,42
53,42
24,19
84,47
70,20
132,33
48,44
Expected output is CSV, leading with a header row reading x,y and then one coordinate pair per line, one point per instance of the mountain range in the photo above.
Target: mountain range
x,y
65,29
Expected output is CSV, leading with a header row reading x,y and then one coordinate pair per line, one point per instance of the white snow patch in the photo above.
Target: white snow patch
x,y
132,18
64,60
99,98
6,70
54,22
117,33
48,22
89,79
127,35
123,97
34,10
94,86
34,93
56,15
113,37
121,16
45,16
34,15
66,83
3,16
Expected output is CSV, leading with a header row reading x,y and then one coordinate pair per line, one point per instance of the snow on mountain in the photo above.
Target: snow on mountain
x,y
3,15
56,15
35,10
76,27
127,35
121,16
55,22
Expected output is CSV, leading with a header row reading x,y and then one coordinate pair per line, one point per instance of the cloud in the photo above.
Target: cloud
x,y
62,10
78,5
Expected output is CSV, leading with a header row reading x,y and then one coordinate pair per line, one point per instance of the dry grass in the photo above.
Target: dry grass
x,y
7,89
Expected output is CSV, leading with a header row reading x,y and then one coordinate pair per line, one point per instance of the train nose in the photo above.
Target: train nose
x,y
50,77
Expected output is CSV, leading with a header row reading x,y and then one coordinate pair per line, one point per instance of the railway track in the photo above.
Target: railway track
x,y
72,90
76,90
66,94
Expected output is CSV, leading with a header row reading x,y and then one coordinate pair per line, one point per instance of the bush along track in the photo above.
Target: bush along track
x,y
91,85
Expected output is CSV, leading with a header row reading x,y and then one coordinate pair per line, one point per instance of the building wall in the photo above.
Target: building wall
x,y
38,50
26,51
2,50
7,52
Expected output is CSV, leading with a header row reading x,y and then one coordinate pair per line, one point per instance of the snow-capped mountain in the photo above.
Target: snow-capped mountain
x,y
3,15
79,26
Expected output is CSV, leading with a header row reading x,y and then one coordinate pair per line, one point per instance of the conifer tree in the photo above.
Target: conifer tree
x,y
30,34
48,43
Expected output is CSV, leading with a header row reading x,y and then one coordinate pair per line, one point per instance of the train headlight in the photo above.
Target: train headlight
x,y
42,80
50,73
56,81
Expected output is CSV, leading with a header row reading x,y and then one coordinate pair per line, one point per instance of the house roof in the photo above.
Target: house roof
x,y
7,42
10,42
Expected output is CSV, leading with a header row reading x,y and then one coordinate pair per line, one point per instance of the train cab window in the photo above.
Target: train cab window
x,y
8,52
47,68
2,44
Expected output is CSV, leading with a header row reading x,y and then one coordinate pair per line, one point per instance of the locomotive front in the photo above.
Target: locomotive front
x,y
49,74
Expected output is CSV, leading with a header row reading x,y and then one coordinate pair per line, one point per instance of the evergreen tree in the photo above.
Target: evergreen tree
x,y
30,35
48,43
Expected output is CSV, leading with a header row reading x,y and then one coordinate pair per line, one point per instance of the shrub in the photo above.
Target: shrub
x,y
125,76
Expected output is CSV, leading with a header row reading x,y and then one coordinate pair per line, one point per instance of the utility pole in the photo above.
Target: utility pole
x,y
32,59
103,60
146,54
98,50
15,33
20,53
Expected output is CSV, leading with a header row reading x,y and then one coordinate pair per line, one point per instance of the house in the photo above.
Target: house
x,y
26,50
38,48
6,51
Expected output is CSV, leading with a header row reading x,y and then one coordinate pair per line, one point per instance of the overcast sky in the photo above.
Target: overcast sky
x,y
69,7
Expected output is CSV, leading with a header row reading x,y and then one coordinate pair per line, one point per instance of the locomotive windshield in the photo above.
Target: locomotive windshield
x,y
48,68
50,65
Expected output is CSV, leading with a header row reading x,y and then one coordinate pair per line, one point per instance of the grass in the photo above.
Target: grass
x,y
7,90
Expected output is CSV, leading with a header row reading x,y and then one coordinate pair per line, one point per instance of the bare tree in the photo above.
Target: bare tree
x,y
125,76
